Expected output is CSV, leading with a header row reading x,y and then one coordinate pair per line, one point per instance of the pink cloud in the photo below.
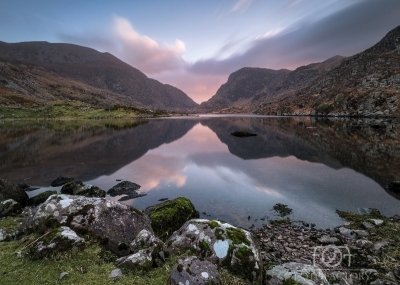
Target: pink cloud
x,y
145,53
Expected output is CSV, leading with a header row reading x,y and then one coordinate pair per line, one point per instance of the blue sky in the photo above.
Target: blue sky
x,y
195,44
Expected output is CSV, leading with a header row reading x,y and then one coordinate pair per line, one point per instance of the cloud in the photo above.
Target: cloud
x,y
241,5
145,53
346,32
140,51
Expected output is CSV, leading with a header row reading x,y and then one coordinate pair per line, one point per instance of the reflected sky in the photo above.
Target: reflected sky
x,y
313,166
199,166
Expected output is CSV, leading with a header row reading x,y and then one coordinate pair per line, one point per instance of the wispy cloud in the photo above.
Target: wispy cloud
x,y
145,53
241,5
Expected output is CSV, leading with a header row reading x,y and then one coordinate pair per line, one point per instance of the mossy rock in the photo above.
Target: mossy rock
x,y
39,199
11,191
169,216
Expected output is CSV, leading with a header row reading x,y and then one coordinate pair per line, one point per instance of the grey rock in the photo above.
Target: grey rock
x,y
297,271
379,244
10,191
39,199
328,240
4,236
377,282
367,225
193,271
220,243
10,208
376,222
364,243
145,239
63,275
116,273
123,188
141,260
116,224
60,239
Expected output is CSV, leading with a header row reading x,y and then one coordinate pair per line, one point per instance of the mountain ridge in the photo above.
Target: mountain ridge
x,y
80,73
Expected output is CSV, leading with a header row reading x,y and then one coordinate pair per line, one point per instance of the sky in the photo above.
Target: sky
x,y
195,44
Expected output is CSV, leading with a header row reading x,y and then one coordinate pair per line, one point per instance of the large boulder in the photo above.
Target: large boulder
x,y
78,188
194,271
40,198
57,240
10,191
221,243
114,223
10,208
168,216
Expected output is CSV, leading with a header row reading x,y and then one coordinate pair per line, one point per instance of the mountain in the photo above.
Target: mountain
x,y
243,85
366,84
38,72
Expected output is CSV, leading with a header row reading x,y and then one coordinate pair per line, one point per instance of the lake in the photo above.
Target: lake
x,y
314,166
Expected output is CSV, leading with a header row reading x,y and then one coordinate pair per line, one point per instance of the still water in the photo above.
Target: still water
x,y
313,166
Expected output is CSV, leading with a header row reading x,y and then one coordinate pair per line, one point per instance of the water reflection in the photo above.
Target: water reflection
x,y
313,166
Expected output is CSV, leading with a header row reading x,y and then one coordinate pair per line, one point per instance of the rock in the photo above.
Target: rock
x,y
123,188
379,244
63,275
57,240
59,181
367,225
193,271
116,273
10,191
141,260
376,222
10,208
39,199
299,273
328,240
68,188
147,252
4,236
114,223
26,187
220,243
78,188
352,233
394,186
168,216
243,134
364,243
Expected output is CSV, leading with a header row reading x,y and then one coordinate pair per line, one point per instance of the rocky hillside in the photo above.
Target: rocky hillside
x,y
366,84
243,85
39,72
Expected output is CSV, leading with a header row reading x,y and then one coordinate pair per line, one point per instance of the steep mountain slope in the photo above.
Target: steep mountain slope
x,y
242,86
41,71
366,84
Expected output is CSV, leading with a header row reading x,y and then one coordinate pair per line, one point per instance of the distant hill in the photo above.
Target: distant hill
x,y
38,72
366,84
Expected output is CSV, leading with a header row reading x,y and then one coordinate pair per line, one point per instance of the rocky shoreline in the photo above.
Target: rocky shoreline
x,y
365,250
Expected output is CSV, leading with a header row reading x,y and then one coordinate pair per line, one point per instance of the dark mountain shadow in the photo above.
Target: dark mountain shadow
x,y
42,152
366,146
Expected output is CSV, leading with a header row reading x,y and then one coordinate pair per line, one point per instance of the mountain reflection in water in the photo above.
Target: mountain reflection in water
x,y
313,166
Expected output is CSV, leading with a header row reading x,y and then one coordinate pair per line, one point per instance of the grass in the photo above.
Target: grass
x,y
76,110
90,266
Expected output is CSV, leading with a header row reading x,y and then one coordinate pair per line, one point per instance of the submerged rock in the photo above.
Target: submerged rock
x,y
10,191
193,271
243,134
57,240
123,188
39,199
26,187
114,223
301,273
10,208
168,216
220,243
60,180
